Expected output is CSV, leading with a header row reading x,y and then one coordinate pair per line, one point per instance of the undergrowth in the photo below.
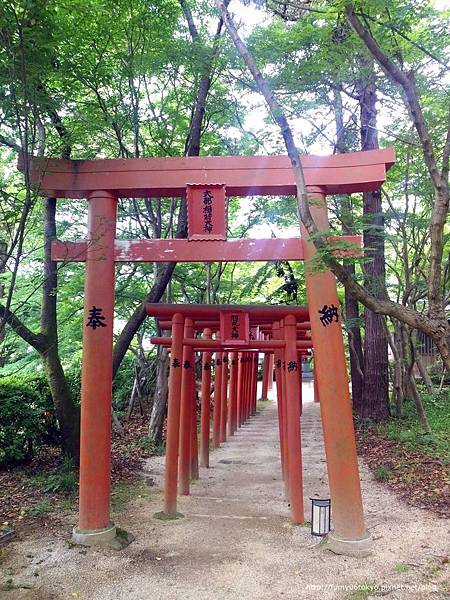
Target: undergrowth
x,y
408,431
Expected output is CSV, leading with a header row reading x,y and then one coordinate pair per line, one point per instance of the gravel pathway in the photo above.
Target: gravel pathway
x,y
236,541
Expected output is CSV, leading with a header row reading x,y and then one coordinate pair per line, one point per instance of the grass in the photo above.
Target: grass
x,y
66,504
401,568
123,492
365,589
8,585
382,473
42,508
63,481
145,443
408,431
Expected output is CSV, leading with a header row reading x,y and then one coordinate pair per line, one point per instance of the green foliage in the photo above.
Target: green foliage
x,y
42,508
124,78
22,420
382,473
125,492
149,446
27,414
62,481
435,372
401,568
408,431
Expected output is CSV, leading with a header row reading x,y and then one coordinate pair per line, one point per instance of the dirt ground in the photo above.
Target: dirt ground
x,y
236,541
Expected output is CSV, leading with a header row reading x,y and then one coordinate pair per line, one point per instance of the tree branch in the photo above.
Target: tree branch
x,y
189,18
404,36
436,328
406,81
7,142
36,340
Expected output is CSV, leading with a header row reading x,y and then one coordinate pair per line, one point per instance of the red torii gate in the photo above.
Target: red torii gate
x,y
102,182
289,339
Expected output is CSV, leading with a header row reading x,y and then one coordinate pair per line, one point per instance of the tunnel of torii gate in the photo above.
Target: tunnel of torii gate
x,y
241,332
282,332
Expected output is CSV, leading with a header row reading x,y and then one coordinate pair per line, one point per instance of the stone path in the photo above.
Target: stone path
x,y
236,541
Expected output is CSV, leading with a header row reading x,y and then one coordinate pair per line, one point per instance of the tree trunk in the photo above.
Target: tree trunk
x,y
351,304
160,398
409,359
3,251
396,345
67,412
134,394
423,373
418,403
352,318
375,395
437,324
192,148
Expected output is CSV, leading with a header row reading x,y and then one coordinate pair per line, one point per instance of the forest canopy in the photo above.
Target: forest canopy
x,y
123,79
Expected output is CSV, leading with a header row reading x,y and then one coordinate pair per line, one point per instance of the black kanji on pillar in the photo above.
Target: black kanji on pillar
x,y
95,318
292,366
328,314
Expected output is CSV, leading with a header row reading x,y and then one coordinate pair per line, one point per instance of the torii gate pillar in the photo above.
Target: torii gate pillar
x,y
96,381
349,535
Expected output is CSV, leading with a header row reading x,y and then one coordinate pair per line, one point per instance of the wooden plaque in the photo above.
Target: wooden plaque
x,y
206,209
234,328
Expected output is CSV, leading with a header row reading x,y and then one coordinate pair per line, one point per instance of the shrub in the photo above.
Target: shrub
x,y
27,414
42,508
407,430
123,383
21,420
38,383
435,371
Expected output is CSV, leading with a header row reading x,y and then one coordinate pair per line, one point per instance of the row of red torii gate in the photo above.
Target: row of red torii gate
x,y
240,333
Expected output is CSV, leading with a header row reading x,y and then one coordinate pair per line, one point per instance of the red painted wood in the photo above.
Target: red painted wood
x,y
335,401
173,417
96,389
233,366
206,311
265,378
240,390
281,417
205,415
224,396
265,325
234,327
244,250
242,175
207,212
199,344
187,378
217,399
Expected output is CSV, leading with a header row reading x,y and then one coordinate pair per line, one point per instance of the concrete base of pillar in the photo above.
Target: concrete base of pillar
x,y
357,548
95,536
